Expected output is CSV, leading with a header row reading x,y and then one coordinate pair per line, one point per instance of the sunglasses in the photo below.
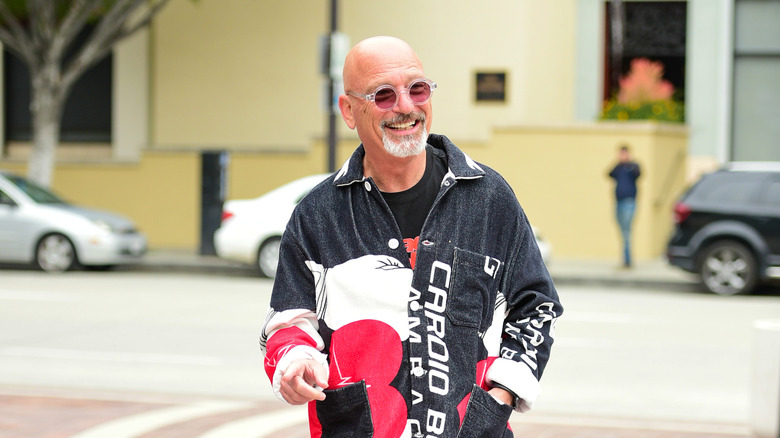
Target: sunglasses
x,y
386,96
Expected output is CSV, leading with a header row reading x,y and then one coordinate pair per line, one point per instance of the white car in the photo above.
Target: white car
x,y
251,229
38,227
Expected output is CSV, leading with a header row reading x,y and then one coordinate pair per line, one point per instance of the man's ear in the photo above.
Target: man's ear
x,y
346,111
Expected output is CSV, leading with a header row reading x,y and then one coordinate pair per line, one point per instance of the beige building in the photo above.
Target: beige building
x,y
245,76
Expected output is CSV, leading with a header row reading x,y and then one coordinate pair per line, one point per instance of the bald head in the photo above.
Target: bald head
x,y
374,56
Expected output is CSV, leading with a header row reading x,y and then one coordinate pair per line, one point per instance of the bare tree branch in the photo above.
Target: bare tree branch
x,y
71,24
143,21
109,31
20,41
40,27
42,19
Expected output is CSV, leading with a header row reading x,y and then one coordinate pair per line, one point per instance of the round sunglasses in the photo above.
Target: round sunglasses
x,y
385,97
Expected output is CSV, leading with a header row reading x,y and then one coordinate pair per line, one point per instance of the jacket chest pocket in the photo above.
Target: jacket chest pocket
x,y
473,292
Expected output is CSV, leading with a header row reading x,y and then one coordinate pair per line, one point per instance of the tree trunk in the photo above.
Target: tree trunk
x,y
46,105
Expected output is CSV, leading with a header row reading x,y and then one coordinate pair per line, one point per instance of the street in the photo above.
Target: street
x,y
622,358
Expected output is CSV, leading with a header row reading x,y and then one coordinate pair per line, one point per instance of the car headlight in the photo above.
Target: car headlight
x,y
103,225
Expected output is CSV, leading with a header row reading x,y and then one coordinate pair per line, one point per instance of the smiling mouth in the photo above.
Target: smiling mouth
x,y
401,125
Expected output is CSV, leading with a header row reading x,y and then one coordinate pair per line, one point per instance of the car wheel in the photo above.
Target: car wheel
x,y
55,253
268,257
728,268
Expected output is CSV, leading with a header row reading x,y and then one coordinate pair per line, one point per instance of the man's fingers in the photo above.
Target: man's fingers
x,y
299,381
309,391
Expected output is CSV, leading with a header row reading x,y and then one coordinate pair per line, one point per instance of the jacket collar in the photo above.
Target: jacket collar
x,y
461,166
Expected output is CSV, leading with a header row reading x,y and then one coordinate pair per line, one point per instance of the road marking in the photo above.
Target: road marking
x,y
111,356
260,426
135,425
35,295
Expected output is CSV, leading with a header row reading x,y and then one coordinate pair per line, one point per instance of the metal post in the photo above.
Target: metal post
x,y
331,90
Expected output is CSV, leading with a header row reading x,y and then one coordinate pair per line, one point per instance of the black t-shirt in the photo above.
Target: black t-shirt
x,y
411,206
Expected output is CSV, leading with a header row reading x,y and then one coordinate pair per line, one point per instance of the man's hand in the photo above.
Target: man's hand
x,y
303,381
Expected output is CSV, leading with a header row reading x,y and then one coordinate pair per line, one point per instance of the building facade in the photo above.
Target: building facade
x,y
246,76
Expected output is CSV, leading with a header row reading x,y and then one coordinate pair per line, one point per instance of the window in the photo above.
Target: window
x,y
756,118
653,30
87,114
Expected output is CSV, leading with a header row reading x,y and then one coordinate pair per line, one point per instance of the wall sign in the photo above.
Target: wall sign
x,y
491,87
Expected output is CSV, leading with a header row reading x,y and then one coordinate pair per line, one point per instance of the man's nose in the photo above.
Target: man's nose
x,y
405,104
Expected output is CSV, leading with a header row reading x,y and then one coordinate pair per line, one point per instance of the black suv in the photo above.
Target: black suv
x,y
728,228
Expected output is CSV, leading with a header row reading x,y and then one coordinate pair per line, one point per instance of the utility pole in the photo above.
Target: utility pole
x,y
332,88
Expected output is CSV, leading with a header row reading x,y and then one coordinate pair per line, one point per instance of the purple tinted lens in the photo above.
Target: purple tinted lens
x,y
419,92
385,98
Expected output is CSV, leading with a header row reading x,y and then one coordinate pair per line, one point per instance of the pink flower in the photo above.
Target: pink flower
x,y
644,83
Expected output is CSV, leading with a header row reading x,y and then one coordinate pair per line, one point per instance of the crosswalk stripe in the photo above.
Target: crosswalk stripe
x,y
134,425
259,426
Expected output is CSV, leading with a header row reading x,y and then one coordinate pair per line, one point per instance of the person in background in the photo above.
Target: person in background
x,y
410,297
625,173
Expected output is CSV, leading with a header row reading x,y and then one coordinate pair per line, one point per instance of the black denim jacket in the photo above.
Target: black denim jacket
x,y
412,352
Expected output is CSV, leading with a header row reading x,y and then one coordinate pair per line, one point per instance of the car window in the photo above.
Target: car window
x,y
5,199
34,191
772,196
730,188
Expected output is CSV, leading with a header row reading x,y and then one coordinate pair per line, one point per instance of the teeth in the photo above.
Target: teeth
x,y
402,125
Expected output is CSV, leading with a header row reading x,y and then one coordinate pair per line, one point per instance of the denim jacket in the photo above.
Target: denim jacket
x,y
412,352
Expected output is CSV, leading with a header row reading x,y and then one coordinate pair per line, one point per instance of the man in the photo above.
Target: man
x,y
410,299
625,174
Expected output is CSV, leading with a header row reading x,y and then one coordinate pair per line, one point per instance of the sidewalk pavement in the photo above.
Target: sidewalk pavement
x,y
648,273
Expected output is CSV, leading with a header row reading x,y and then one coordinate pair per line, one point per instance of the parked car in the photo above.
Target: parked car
x,y
251,229
728,228
38,227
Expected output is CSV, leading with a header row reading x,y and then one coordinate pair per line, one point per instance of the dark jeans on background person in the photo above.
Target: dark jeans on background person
x,y
625,214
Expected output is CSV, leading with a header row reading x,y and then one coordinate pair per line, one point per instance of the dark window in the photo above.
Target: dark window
x,y
730,188
772,196
5,199
87,113
653,30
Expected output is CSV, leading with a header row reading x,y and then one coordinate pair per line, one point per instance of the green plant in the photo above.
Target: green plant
x,y
644,95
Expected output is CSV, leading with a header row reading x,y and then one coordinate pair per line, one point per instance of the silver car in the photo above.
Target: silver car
x,y
38,227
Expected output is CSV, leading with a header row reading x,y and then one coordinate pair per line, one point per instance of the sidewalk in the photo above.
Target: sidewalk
x,y
649,273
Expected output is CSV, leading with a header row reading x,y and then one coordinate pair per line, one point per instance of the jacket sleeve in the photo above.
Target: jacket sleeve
x,y
529,326
291,327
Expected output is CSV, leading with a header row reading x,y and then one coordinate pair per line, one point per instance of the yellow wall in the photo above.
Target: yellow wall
x,y
559,174
245,73
237,73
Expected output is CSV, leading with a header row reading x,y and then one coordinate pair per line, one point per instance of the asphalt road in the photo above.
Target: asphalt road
x,y
84,352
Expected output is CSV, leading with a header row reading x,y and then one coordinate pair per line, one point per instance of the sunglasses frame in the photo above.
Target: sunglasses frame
x,y
372,97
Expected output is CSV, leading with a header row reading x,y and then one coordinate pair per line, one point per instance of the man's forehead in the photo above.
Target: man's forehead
x,y
399,75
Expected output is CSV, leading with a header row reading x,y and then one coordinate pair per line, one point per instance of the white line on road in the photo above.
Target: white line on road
x,y
111,356
135,425
260,426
